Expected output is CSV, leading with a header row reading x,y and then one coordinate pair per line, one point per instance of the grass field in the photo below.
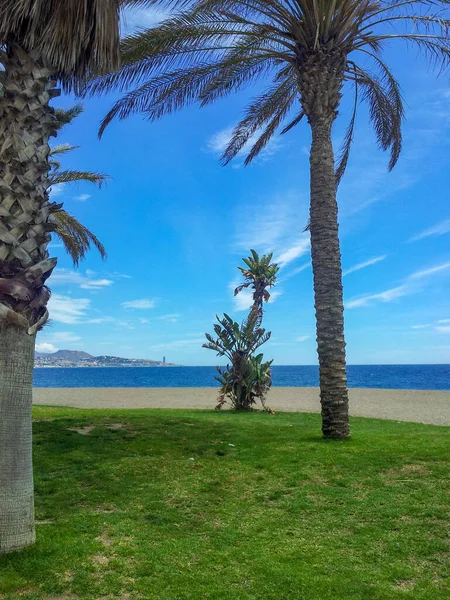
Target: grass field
x,y
267,510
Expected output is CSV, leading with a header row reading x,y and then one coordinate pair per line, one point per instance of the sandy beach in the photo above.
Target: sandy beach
x,y
417,406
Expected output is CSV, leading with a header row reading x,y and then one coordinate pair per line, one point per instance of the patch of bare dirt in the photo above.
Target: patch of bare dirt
x,y
87,430
101,560
405,585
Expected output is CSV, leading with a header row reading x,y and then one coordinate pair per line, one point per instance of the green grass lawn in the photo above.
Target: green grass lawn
x,y
267,510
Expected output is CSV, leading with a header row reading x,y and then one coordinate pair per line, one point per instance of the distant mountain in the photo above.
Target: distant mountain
x,y
77,358
66,355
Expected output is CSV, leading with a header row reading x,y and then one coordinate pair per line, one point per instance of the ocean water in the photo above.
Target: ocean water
x,y
413,377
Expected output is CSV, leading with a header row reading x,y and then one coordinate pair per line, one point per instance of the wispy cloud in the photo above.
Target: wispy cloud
x,y
439,229
294,272
82,197
86,282
64,336
443,328
68,310
273,226
218,142
410,285
173,318
364,264
444,321
419,326
299,249
244,299
386,296
430,271
140,304
179,344
302,338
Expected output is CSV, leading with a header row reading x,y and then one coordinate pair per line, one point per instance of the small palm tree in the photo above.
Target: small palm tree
x,y
247,378
42,42
311,51
259,274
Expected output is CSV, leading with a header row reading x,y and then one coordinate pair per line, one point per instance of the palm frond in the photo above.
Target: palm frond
x,y
76,238
61,149
75,37
72,176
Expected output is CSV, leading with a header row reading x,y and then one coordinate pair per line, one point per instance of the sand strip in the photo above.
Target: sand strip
x,y
399,405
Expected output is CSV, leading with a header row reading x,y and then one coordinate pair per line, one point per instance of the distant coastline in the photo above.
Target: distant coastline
x,y
75,359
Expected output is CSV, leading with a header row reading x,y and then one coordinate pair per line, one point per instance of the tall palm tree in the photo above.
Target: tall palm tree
x,y
309,52
42,42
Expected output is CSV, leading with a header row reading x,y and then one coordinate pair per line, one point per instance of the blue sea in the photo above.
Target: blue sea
x,y
412,377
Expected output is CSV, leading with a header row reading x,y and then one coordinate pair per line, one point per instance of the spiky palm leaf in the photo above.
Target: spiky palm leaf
x,y
215,47
77,238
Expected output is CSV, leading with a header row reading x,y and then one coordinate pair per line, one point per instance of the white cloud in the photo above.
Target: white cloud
x,y
298,249
171,318
431,271
140,304
411,284
365,264
295,272
303,338
443,328
386,296
46,348
64,336
86,282
179,344
419,326
439,229
101,320
68,310
82,197
57,189
444,321
144,321
244,299
274,226
219,141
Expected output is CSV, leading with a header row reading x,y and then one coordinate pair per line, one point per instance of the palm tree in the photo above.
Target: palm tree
x,y
247,378
259,274
310,51
42,42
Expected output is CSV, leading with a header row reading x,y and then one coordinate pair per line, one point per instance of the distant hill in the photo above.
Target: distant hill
x,y
65,355
77,358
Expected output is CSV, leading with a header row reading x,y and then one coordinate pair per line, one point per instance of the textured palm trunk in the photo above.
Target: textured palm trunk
x,y
26,123
327,271
16,470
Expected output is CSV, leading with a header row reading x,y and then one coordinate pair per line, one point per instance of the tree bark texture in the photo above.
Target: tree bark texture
x,y
26,123
327,272
16,470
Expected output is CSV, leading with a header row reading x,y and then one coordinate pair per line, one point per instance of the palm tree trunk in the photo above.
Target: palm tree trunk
x,y
26,123
16,470
327,271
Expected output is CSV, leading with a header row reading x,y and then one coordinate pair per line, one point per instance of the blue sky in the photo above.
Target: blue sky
x,y
176,224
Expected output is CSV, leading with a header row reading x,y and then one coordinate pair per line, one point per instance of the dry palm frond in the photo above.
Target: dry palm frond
x,y
73,36
211,48
77,238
